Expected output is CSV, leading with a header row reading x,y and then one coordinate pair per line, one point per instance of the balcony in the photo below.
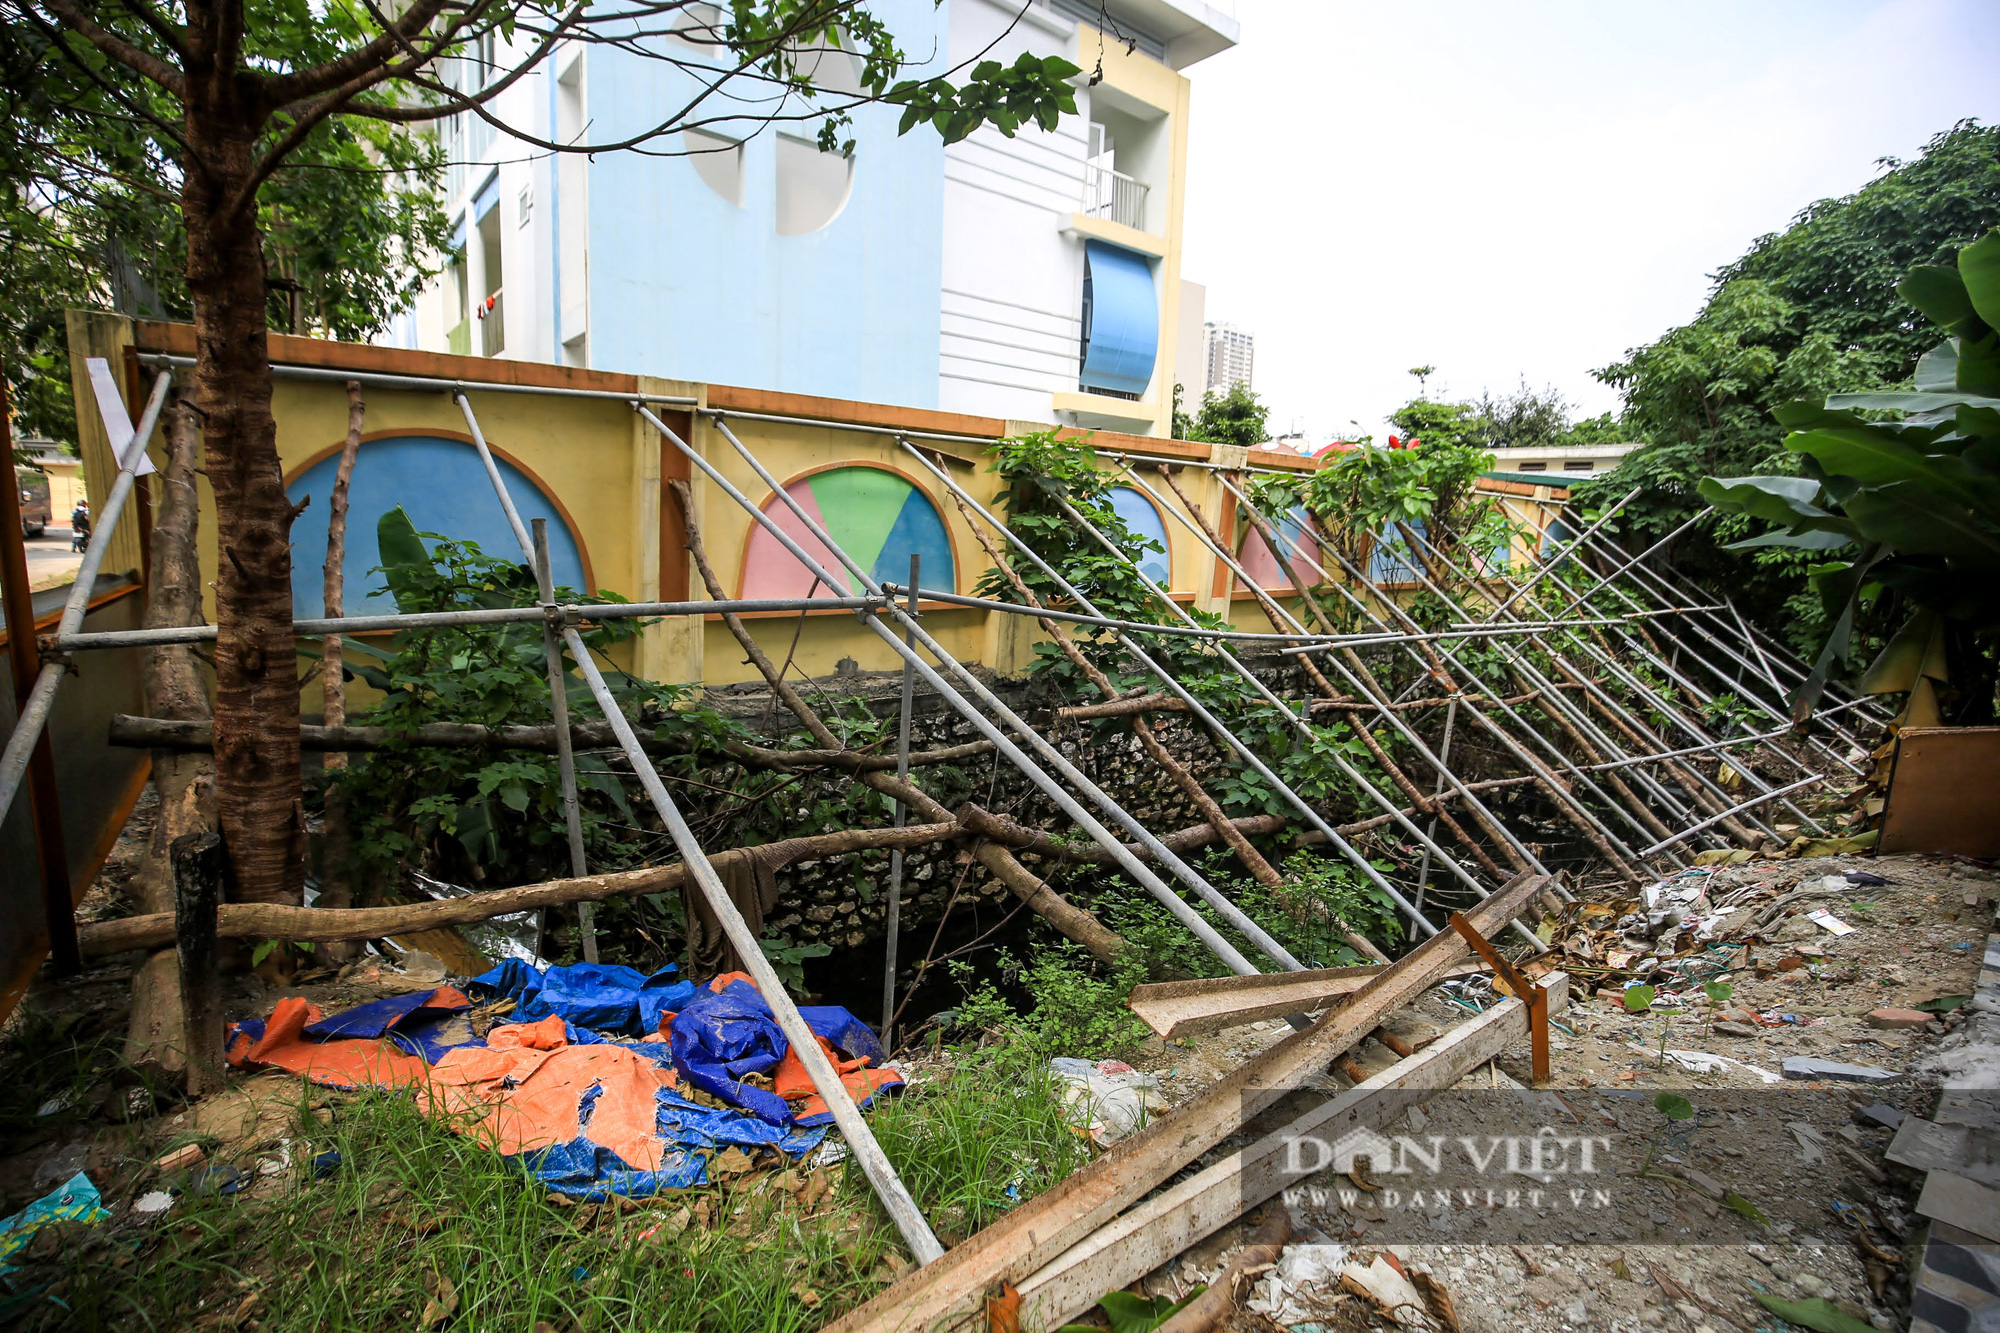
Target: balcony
x,y
493,326
1109,195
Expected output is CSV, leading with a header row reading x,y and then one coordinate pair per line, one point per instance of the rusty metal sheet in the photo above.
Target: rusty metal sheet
x,y
1944,793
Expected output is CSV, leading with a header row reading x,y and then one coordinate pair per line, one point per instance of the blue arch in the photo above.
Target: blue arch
x,y
1138,514
443,486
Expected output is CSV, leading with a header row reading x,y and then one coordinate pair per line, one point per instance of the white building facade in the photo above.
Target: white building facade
x,y
1035,278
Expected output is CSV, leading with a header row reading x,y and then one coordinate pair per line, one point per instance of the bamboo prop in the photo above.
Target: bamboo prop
x,y
1666,707
1253,860
159,733
1073,922
868,1154
1615,851
1137,869
586,915
1277,616
1208,719
333,582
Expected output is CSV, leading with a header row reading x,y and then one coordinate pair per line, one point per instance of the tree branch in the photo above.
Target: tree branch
x,y
141,62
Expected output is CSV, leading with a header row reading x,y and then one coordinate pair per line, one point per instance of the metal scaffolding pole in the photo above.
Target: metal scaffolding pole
x,y
1602,519
1778,713
1557,702
1195,706
1305,729
1141,873
1381,705
1704,696
892,919
128,446
1737,809
1639,687
1555,789
805,1045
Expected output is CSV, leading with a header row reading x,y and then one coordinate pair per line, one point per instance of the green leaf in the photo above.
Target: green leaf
x,y
1914,651
1801,541
1673,1106
1913,519
1939,292
1785,500
403,553
1818,1313
1943,1004
1979,268
1638,999
1718,992
1136,1314
1937,369
1736,1203
261,952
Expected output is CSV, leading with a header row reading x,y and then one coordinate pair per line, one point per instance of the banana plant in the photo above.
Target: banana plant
x,y
1902,491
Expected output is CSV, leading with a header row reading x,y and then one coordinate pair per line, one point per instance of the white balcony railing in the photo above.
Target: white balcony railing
x,y
1112,195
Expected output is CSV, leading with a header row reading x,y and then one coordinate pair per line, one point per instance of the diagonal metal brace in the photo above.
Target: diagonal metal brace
x,y
1529,993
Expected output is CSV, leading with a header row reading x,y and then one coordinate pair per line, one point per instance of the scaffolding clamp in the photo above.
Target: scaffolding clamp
x,y
1523,989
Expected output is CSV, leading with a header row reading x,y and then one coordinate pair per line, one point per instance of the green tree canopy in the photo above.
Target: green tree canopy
x,y
1806,312
90,216
1235,417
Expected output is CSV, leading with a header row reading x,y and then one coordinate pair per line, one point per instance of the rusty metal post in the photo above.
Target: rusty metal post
x,y
50,849
1524,990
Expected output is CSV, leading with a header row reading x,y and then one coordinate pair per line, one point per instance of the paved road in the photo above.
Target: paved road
x,y
50,561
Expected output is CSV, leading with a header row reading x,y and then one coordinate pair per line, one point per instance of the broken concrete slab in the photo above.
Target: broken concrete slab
x,y
1897,1018
1963,1203
1881,1113
1807,1067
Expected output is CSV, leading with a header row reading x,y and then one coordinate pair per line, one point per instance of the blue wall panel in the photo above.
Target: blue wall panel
x,y
687,285
443,487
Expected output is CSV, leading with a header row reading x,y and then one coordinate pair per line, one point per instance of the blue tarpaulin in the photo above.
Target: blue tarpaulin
x,y
603,996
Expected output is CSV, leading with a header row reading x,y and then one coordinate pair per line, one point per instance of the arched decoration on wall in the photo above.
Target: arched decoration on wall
x,y
1138,513
438,479
878,517
1301,541
1390,560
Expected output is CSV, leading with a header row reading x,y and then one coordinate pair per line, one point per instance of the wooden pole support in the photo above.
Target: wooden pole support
x,y
197,864
1531,995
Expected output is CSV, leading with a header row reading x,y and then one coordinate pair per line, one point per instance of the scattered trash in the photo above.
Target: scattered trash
x,y
1864,878
1806,1067
57,1104
75,1200
222,1180
60,1165
1826,920
179,1159
1384,1284
513,936
1279,1294
152,1203
1110,1099
326,1163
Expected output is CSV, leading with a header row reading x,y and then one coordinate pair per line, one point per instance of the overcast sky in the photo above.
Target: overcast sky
x,y
1528,188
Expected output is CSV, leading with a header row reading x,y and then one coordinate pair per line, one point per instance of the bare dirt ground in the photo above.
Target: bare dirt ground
x,y
1832,1218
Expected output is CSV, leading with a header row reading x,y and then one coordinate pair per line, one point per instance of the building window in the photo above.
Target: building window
x,y
1576,465
812,186
1138,514
718,161
1534,467
1121,321
877,516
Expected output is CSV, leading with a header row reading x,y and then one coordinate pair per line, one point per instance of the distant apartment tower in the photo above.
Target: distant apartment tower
x,y
1232,354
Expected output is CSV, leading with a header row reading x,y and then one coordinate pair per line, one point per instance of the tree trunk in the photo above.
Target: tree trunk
x,y
184,781
256,669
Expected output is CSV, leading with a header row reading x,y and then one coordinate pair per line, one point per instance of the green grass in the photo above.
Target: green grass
x,y
416,1212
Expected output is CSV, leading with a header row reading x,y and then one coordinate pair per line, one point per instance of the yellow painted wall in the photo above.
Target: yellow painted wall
x,y
603,465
